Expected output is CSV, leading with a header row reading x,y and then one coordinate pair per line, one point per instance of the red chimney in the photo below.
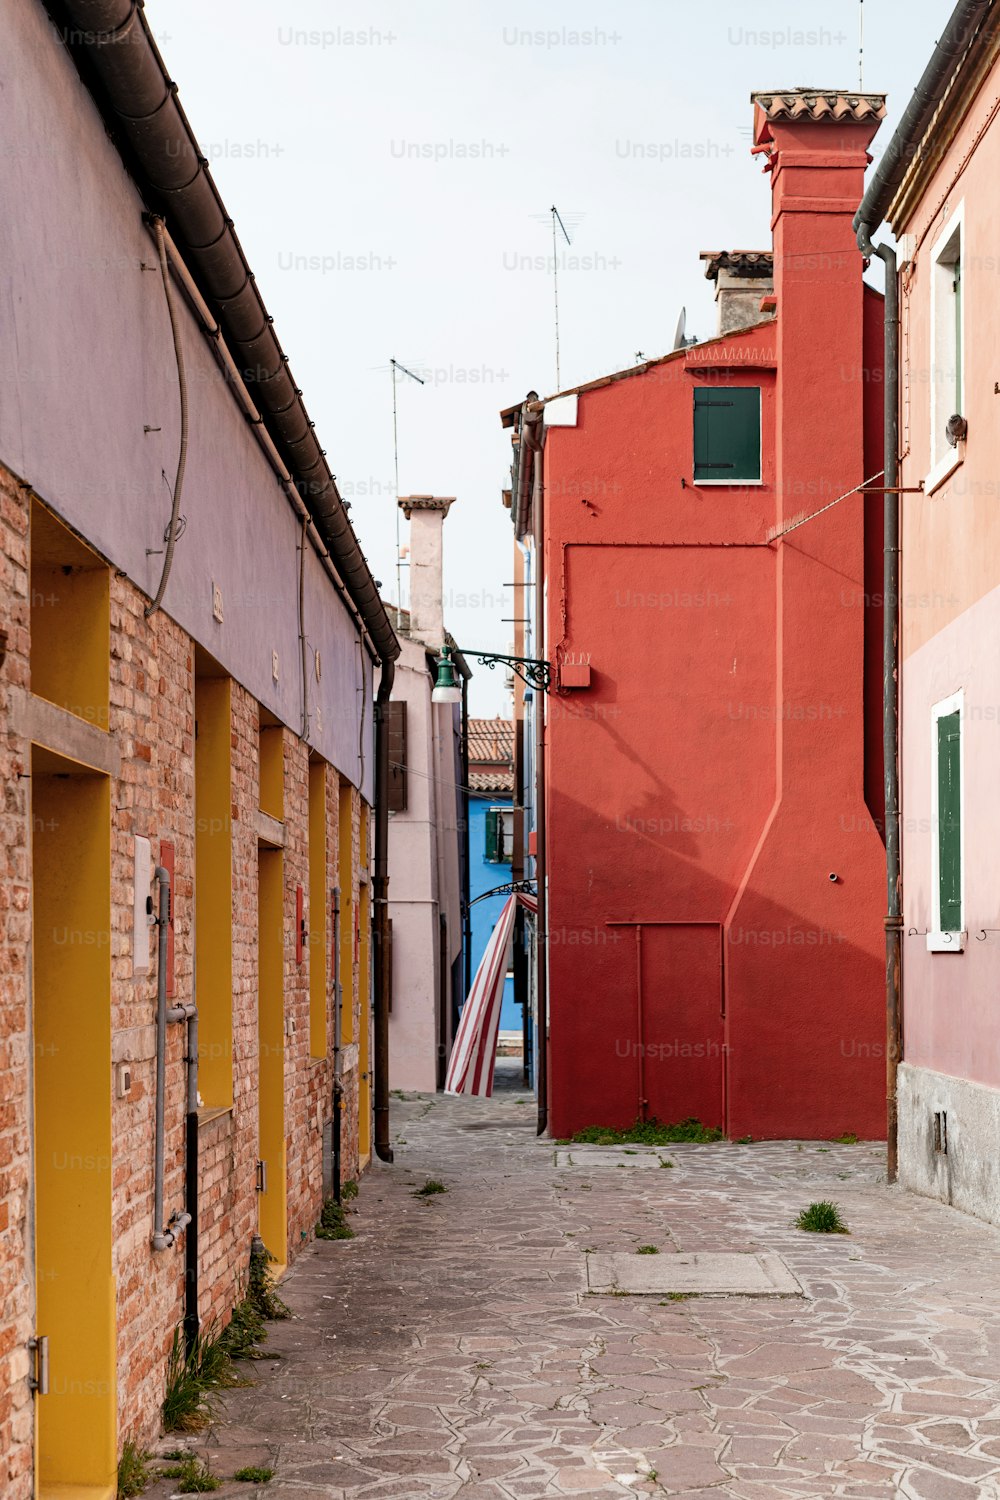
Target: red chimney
x,y
817,150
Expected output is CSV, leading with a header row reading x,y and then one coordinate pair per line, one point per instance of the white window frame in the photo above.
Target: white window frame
x,y
944,459
938,941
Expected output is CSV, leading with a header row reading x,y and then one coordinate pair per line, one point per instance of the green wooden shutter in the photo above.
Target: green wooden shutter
x,y
492,843
727,434
949,822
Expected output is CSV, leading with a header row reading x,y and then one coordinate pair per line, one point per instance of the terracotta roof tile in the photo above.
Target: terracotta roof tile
x,y
497,782
819,104
491,742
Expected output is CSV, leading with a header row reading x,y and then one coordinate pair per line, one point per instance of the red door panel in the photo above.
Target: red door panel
x,y
681,1031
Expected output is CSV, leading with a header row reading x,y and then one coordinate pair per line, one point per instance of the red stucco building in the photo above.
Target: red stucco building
x,y
709,834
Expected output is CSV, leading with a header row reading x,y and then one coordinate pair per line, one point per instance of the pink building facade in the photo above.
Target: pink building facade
x,y
940,198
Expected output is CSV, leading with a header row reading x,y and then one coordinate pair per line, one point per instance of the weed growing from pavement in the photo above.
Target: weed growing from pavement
x,y
647,1250
133,1471
647,1133
430,1188
194,1378
665,1163
332,1223
744,1140
821,1218
244,1331
194,1476
847,1139
261,1290
254,1474
676,1297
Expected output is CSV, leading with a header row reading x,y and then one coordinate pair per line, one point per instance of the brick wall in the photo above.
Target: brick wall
x,y
151,677
16,1297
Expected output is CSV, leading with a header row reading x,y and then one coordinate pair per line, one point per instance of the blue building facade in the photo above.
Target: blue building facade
x,y
489,866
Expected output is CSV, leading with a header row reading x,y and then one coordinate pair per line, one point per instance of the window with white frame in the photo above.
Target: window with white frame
x,y
948,842
947,344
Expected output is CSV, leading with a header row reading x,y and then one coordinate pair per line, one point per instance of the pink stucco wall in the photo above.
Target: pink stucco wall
x,y
951,608
423,875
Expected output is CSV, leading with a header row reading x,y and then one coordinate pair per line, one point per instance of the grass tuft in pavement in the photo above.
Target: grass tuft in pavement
x,y
821,1218
430,1187
647,1133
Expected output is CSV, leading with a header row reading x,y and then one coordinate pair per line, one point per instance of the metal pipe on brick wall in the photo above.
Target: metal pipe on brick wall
x,y
383,1150
163,1237
192,1317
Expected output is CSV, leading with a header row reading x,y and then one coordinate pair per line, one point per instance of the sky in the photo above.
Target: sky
x,y
390,169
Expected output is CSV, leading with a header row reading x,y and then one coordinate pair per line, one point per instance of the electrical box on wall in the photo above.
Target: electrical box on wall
x,y
142,881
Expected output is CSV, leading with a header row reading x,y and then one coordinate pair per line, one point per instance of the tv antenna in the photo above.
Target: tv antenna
x,y
861,45
556,220
394,365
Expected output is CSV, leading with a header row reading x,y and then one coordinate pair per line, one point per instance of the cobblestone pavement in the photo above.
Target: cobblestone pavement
x,y
451,1348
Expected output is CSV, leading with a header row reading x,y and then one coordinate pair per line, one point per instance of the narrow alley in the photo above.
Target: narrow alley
x,y
452,1347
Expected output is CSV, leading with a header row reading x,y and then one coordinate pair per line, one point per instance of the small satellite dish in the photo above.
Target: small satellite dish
x,y
679,339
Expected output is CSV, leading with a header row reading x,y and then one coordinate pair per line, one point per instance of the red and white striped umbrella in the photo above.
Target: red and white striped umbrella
x,y
473,1056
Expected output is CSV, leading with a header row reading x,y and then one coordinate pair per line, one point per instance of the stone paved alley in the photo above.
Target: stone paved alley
x,y
452,1349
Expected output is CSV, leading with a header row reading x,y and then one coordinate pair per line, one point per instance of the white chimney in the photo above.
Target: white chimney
x,y
426,514
743,278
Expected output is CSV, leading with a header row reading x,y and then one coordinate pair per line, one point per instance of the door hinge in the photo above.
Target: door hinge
x,y
38,1374
262,1177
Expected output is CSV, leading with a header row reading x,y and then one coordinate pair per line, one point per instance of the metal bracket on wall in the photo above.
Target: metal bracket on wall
x,y
38,1376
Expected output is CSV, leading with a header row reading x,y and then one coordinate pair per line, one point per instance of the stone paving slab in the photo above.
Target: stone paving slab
x,y
453,1351
702,1275
596,1157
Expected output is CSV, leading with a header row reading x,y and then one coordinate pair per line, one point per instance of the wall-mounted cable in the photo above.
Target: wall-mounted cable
x,y
171,536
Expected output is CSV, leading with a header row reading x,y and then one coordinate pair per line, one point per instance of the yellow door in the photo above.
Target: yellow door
x,y
76,1436
272,1206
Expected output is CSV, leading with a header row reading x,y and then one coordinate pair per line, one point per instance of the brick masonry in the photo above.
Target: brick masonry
x,y
151,694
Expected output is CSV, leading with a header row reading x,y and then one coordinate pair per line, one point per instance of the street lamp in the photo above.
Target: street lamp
x,y
447,688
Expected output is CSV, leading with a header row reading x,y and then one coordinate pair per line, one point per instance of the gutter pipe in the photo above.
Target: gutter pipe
x,y
874,205
114,48
380,895
534,442
893,920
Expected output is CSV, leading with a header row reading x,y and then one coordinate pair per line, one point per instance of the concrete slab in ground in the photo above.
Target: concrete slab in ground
x,y
613,1156
699,1275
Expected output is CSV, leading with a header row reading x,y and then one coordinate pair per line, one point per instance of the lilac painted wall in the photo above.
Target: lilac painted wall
x,y
89,363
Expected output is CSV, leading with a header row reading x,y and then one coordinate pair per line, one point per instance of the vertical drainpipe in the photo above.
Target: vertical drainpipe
x,y
192,1319
383,1150
466,871
538,525
890,699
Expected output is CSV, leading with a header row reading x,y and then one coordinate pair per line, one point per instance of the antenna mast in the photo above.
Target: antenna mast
x,y
555,277
861,45
394,365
